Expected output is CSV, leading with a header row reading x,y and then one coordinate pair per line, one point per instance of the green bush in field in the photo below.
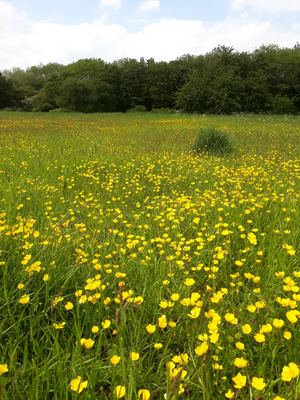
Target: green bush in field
x,y
283,105
137,109
213,141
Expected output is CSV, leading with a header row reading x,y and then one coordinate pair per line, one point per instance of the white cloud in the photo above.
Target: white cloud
x,y
272,6
116,4
24,42
148,5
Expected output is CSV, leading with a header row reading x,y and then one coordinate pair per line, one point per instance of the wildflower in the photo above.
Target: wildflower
x,y
115,360
240,362
134,356
217,367
88,343
151,328
201,349
95,329
106,324
180,389
46,278
20,286
231,318
239,263
251,308
229,394
239,380
24,299
258,383
182,359
291,316
77,385
143,394
267,328
175,296
278,323
157,346
259,337
287,335
163,304
252,238
59,326
290,372
246,329
3,369
240,346
69,306
120,391
189,282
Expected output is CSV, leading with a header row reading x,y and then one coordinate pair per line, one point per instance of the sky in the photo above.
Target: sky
x,y
64,31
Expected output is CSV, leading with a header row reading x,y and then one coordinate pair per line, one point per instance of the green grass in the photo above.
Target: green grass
x,y
97,200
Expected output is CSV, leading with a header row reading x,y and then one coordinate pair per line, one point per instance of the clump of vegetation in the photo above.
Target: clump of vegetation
x,y
137,109
214,141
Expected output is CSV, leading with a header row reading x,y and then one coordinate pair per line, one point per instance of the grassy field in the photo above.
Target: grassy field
x,y
131,268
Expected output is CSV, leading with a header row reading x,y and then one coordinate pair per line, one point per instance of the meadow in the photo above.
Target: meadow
x,y
132,268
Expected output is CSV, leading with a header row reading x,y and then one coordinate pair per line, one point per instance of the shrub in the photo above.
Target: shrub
x,y
283,105
137,109
213,141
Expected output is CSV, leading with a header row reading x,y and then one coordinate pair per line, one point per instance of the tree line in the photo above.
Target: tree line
x,y
223,81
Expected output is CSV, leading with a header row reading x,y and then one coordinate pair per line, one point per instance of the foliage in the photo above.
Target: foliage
x,y
6,92
212,140
222,81
283,105
137,109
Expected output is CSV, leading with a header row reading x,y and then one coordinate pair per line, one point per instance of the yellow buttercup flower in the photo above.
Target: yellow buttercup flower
x,y
240,345
77,385
3,369
69,306
239,380
251,308
290,372
59,326
158,346
115,360
201,349
267,328
291,316
134,356
278,323
24,299
258,383
120,391
287,335
95,329
106,324
231,318
143,394
229,394
151,328
246,329
240,362
189,281
260,338
88,343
